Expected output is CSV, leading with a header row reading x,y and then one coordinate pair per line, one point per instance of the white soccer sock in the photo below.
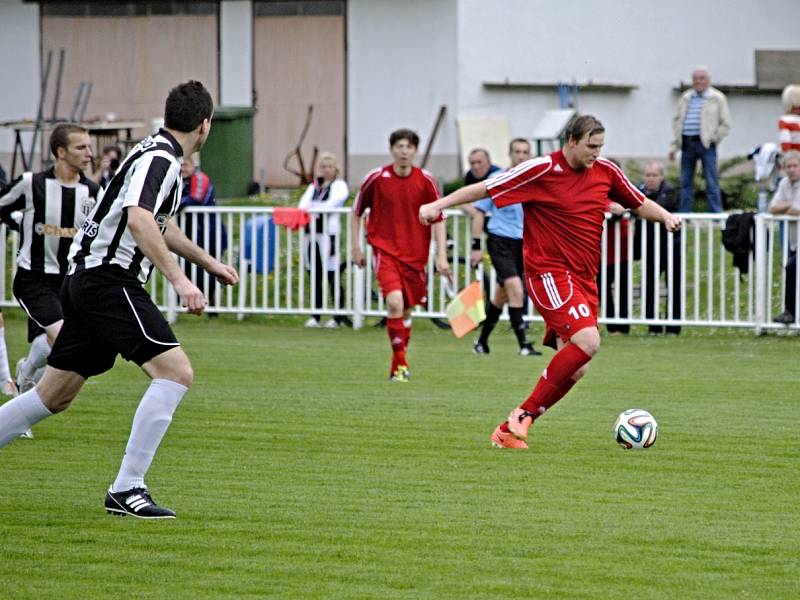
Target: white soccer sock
x,y
5,372
150,423
37,356
20,414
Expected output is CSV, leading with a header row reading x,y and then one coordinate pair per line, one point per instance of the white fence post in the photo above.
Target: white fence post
x,y
762,294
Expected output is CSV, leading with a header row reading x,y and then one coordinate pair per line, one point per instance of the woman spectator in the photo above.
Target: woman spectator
x,y
328,190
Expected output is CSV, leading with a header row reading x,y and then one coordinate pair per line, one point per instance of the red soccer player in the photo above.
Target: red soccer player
x,y
400,244
564,197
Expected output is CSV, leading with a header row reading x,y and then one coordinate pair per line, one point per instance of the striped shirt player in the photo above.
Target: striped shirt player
x,y
400,243
53,204
107,311
149,177
564,197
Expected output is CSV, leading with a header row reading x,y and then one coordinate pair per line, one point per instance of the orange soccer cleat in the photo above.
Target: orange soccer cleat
x,y
503,439
519,421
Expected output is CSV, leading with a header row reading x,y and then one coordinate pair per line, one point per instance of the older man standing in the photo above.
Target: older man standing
x,y
701,122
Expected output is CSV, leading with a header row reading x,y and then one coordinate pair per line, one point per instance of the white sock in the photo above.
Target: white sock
x,y
37,356
5,372
20,414
150,423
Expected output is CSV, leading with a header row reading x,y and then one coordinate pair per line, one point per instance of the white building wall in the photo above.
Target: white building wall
x,y
401,69
652,44
19,64
236,53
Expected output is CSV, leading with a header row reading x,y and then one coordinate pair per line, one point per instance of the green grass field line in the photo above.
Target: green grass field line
x,y
298,471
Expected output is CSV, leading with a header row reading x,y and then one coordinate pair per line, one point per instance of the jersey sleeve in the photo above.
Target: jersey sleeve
x,y
622,190
146,182
517,184
13,198
432,188
366,194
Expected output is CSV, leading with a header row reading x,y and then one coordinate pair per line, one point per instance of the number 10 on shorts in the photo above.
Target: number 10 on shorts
x,y
581,310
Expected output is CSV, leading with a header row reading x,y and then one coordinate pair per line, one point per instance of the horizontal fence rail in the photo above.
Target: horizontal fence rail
x,y
647,276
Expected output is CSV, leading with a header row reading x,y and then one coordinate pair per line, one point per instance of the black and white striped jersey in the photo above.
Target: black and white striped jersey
x,y
52,213
150,178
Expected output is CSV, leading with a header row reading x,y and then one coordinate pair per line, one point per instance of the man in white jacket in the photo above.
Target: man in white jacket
x,y
700,123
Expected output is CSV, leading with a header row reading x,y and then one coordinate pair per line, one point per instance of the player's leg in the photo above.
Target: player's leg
x,y
493,312
396,330
516,295
51,395
570,312
689,158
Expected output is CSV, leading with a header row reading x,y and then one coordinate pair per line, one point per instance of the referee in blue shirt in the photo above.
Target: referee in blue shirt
x,y
504,241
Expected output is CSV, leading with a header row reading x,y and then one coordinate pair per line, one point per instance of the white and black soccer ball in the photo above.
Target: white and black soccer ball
x,y
635,429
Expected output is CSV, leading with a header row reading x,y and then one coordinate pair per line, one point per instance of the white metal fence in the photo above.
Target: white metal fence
x,y
654,278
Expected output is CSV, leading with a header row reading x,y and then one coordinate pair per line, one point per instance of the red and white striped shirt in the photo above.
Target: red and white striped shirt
x,y
789,136
564,210
393,225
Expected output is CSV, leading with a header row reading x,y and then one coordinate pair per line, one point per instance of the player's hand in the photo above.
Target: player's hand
x,y
476,258
673,222
443,268
190,296
225,274
428,213
358,258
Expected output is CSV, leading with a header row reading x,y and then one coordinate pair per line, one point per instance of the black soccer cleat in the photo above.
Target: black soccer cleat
x,y
135,502
480,347
785,318
527,349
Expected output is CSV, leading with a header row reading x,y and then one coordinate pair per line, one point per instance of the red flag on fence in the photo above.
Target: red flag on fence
x,y
293,218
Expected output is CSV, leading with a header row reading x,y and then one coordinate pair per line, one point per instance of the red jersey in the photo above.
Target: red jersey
x,y
564,210
393,225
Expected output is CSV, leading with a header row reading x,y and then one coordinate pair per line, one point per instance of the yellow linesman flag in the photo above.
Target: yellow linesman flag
x,y
467,310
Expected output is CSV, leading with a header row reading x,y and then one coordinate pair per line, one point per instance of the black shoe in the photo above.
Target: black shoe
x,y
528,350
480,347
785,318
135,502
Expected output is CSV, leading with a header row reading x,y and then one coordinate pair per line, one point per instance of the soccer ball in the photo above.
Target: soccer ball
x,y
635,429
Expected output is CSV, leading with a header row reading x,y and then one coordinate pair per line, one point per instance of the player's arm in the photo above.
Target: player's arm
x,y
478,220
12,198
181,245
357,254
428,213
440,237
148,238
652,211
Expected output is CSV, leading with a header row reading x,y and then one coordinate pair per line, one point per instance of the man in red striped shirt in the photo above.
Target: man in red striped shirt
x,y
400,244
564,197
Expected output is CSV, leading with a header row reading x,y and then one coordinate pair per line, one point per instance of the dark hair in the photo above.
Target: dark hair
x,y
404,134
518,141
110,147
580,125
187,106
59,138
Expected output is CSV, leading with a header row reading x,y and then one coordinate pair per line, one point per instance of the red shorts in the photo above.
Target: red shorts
x,y
394,275
567,304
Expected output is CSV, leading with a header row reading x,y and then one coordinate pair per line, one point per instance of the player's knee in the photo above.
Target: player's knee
x,y
580,372
183,374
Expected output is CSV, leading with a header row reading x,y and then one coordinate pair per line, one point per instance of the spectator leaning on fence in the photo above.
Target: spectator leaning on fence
x,y
701,122
789,124
662,193
786,201
328,190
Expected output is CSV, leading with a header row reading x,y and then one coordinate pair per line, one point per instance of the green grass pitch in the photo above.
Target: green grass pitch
x,y
298,471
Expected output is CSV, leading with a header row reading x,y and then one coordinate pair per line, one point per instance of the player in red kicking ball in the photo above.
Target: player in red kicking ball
x,y
400,243
564,197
